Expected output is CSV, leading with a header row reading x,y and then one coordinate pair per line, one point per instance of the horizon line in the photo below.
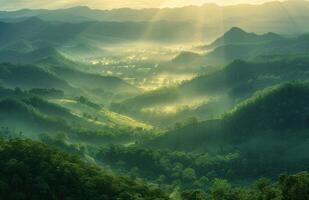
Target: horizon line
x,y
149,8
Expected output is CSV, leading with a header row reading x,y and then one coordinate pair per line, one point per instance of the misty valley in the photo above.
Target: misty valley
x,y
201,102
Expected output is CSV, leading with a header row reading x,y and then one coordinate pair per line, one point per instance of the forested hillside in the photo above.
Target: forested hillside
x,y
31,170
154,100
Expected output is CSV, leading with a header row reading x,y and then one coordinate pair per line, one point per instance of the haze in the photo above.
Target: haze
x,y
110,4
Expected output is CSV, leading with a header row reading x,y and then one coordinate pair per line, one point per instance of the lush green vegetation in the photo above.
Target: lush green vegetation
x,y
132,104
280,110
165,167
282,107
293,187
30,170
208,96
33,170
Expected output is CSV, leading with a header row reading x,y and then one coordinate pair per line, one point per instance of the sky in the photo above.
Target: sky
x,y
110,4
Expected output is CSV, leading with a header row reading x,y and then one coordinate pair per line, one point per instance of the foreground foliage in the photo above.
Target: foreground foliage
x,y
31,170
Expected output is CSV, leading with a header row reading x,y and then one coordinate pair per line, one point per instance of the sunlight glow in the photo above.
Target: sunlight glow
x,y
111,4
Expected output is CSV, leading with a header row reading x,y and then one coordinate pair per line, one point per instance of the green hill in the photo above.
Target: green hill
x,y
89,81
238,36
31,170
270,16
249,50
207,96
39,33
28,77
270,117
52,70
22,117
185,63
80,121
283,107
42,55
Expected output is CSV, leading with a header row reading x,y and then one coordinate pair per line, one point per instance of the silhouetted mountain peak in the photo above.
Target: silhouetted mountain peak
x,y
235,30
238,36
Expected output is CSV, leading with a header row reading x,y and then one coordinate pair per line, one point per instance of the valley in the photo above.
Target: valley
x,y
180,103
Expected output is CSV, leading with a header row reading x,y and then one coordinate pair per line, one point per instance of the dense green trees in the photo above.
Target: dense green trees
x,y
31,170
283,107
188,170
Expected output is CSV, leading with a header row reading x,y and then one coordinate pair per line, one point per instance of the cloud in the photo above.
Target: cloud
x,y
108,4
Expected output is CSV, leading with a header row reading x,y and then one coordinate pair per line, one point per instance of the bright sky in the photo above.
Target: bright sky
x,y
109,4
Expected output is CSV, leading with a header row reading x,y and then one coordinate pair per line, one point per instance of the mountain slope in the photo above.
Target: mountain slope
x,y
250,50
52,70
28,77
39,33
91,81
40,55
29,167
270,16
238,36
273,115
283,107
220,90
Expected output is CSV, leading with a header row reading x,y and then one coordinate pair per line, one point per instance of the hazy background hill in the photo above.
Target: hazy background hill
x,y
278,112
41,33
287,17
244,45
211,94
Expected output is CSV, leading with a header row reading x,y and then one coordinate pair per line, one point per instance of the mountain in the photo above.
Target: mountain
x,y
207,96
32,115
35,56
267,118
237,36
28,77
280,17
262,136
279,108
95,82
24,116
38,167
258,46
54,70
186,62
40,33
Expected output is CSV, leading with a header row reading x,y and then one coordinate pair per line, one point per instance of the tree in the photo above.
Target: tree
x,y
189,174
193,195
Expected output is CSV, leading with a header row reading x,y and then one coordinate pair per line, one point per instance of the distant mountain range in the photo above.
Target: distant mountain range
x,y
281,17
247,46
239,44
34,31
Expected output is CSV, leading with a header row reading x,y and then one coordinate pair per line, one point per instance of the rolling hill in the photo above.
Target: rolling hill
x,y
238,36
272,16
28,77
95,82
218,91
237,44
53,70
27,114
39,33
38,167
270,117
